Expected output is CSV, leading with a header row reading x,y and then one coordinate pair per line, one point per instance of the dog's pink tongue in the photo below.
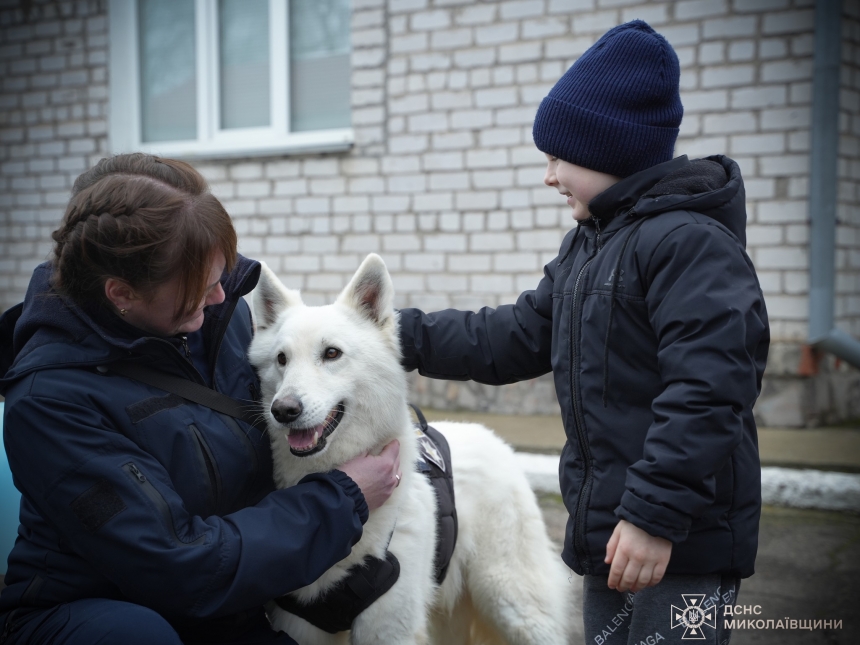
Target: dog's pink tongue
x,y
305,439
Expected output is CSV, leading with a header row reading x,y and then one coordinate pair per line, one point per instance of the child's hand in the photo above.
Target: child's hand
x,y
638,559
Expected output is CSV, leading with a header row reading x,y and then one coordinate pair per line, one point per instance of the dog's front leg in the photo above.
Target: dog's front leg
x,y
398,618
400,615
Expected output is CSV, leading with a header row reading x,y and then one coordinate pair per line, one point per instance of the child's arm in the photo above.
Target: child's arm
x,y
494,346
638,560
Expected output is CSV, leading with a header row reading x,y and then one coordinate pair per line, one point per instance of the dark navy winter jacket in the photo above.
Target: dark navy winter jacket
x,y
653,323
134,494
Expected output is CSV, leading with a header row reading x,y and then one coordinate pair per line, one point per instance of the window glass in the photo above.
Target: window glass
x,y
168,77
319,64
244,63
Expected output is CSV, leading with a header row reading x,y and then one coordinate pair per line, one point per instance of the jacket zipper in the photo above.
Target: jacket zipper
x,y
185,347
209,466
160,503
597,237
219,338
222,330
579,545
187,366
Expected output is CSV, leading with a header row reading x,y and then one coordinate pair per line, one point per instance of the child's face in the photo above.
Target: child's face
x,y
581,185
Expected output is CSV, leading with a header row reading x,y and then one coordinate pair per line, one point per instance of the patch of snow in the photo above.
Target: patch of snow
x,y
779,486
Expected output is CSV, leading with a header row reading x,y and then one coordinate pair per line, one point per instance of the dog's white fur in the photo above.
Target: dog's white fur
x,y
504,583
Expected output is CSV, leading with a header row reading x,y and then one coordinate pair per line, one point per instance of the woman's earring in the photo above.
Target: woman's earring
x,y
123,312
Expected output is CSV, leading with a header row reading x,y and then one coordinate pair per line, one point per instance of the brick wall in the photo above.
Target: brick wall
x,y
443,180
747,80
53,123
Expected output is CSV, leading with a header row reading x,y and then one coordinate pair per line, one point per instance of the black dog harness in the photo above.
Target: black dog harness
x,y
366,582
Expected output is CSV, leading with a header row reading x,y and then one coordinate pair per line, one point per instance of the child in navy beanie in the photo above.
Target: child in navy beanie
x,y
618,108
653,324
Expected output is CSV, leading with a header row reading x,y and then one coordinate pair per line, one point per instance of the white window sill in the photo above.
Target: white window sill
x,y
293,144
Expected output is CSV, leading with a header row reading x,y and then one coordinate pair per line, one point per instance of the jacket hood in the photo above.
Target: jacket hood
x,y
711,186
48,330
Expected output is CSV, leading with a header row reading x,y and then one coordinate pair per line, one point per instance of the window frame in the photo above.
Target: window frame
x,y
211,142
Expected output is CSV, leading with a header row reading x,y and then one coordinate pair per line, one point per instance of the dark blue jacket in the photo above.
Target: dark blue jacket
x,y
653,323
133,494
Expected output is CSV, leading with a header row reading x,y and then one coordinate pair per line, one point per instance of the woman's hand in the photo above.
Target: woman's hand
x,y
376,476
638,559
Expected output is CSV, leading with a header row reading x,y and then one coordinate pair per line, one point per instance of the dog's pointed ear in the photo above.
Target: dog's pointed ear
x,y
371,291
271,298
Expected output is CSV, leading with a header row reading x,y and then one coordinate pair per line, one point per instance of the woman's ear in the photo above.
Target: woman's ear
x,y
120,294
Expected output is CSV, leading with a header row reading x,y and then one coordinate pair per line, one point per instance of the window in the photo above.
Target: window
x,y
219,78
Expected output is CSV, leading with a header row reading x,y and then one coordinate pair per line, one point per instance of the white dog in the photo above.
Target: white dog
x,y
338,367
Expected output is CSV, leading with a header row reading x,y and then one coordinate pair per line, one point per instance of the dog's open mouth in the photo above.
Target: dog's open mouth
x,y
309,441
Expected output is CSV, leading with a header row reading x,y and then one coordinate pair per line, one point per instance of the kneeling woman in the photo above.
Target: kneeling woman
x,y
146,518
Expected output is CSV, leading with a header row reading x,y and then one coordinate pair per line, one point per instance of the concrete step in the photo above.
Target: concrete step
x,y
836,449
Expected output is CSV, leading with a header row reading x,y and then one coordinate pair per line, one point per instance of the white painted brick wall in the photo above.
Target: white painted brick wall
x,y
53,112
444,181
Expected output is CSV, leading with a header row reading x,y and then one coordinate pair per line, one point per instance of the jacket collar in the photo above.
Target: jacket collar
x,y
622,196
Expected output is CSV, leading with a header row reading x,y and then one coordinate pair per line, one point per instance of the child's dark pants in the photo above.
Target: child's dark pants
x,y
659,614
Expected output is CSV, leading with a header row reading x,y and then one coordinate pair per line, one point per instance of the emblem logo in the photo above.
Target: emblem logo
x,y
693,617
428,451
608,283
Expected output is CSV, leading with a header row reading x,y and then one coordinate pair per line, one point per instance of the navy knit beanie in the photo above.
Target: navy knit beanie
x,y
618,108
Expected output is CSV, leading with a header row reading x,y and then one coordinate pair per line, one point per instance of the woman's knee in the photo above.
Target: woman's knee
x,y
109,622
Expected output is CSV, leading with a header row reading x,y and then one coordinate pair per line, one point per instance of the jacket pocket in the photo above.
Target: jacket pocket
x,y
31,593
244,438
208,467
160,503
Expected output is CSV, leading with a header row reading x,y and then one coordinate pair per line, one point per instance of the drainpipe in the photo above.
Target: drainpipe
x,y
823,334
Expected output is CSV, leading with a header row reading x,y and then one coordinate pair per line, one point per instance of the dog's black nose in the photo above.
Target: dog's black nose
x,y
287,409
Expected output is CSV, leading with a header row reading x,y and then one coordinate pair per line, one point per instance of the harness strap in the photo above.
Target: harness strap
x,y
190,391
435,464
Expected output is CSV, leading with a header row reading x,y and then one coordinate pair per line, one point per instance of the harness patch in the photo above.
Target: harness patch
x,y
429,451
141,410
97,505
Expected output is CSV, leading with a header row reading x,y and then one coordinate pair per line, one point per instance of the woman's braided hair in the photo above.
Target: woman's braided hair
x,y
143,220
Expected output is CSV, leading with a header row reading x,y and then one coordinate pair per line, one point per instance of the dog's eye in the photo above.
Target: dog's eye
x,y
282,359
332,353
